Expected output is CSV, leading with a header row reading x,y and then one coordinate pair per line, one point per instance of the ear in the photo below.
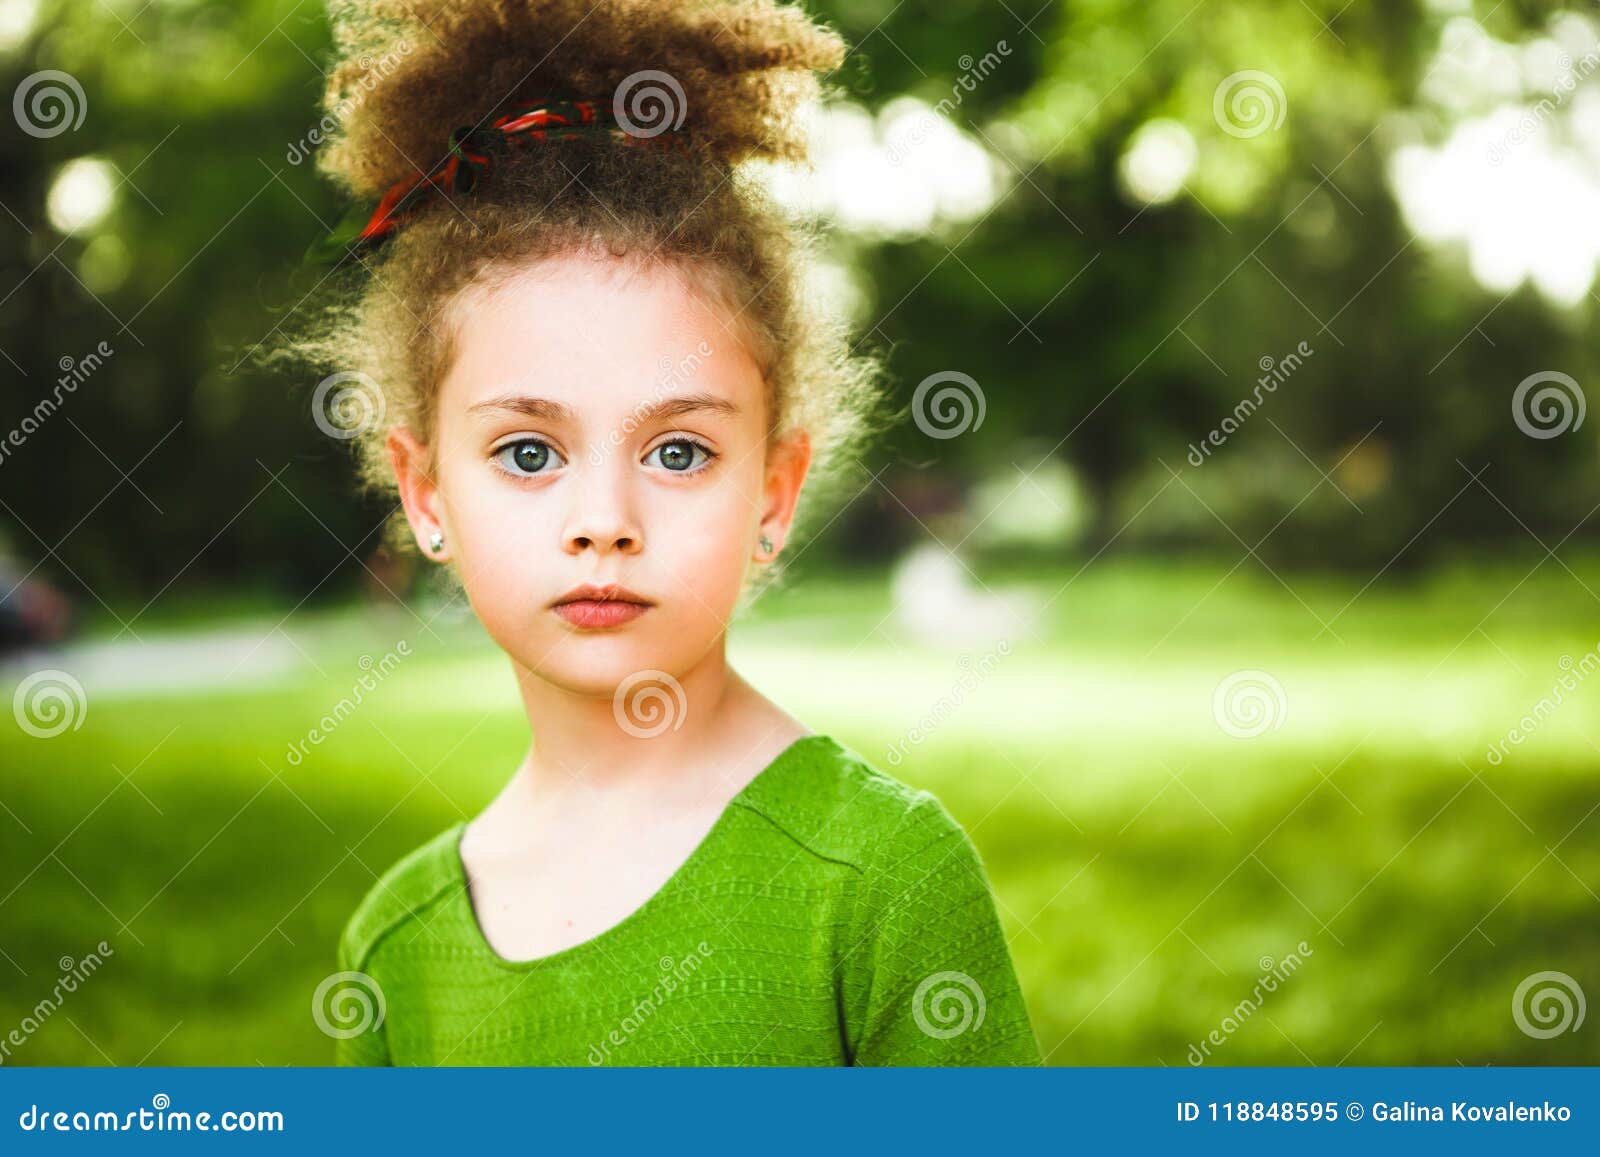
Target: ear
x,y
787,463
419,492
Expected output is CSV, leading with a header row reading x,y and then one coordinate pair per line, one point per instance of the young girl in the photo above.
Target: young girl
x,y
604,387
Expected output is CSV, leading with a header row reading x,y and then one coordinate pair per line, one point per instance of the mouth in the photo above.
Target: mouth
x,y
596,608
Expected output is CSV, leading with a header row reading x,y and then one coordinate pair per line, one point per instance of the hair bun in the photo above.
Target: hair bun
x,y
735,75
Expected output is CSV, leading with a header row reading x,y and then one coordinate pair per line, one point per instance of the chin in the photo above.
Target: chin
x,y
595,662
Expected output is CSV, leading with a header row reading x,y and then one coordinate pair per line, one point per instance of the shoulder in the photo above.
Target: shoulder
x,y
837,805
413,883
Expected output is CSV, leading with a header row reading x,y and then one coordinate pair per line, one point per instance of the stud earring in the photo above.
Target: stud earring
x,y
766,545
436,542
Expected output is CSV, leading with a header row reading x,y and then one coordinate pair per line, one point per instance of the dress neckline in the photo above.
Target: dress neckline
x,y
480,942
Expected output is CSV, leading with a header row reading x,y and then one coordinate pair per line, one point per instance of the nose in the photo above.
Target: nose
x,y
602,518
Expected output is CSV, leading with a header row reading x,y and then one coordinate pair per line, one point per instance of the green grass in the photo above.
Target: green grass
x,y
1146,862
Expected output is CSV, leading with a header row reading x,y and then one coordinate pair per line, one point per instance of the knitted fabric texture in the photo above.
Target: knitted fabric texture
x,y
831,916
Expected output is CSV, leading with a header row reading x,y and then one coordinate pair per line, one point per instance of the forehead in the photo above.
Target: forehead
x,y
600,334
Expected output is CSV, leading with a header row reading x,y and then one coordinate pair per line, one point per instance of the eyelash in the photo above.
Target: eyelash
x,y
710,454
495,456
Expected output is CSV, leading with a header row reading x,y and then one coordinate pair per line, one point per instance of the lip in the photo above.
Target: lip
x,y
596,607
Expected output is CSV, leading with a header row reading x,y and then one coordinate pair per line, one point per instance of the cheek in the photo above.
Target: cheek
x,y
711,520
501,540
697,543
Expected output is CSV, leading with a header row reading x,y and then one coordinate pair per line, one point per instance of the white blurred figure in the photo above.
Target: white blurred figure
x,y
937,600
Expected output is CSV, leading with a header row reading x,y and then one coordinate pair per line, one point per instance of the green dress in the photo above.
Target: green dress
x,y
831,916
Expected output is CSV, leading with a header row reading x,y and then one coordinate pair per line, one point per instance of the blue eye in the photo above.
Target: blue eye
x,y
529,456
678,455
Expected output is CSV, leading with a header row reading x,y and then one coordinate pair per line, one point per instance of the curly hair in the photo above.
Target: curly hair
x,y
407,72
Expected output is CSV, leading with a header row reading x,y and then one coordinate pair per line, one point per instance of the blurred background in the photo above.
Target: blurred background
x,y
1232,576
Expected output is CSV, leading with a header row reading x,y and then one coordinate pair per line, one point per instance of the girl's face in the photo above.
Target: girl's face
x,y
600,425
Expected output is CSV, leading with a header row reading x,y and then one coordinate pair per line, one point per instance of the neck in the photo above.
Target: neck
x,y
652,734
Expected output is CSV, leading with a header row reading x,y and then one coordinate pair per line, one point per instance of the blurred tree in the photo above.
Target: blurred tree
x,y
1189,191
1197,190
172,462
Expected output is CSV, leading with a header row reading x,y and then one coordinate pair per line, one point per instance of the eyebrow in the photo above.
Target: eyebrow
x,y
553,411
